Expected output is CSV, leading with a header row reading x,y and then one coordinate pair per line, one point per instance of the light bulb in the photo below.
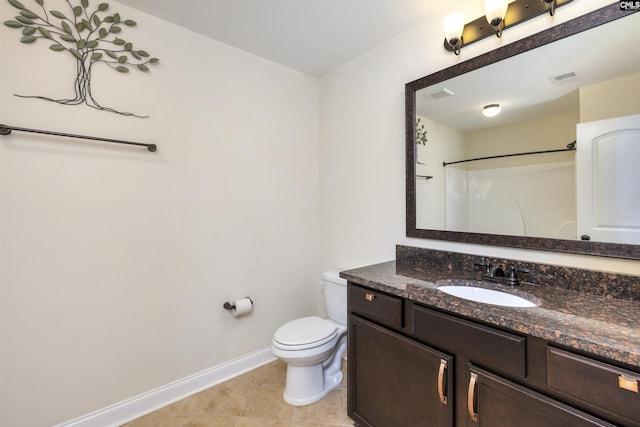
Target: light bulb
x,y
495,10
453,27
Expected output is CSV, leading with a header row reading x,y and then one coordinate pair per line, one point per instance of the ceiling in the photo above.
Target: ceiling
x,y
311,36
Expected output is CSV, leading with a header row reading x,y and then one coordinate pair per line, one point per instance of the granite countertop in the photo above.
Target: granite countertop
x,y
607,327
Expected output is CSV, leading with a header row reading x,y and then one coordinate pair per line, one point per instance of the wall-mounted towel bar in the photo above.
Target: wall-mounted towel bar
x,y
6,130
570,147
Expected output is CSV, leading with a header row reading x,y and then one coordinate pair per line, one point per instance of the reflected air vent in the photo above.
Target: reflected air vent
x,y
440,93
563,78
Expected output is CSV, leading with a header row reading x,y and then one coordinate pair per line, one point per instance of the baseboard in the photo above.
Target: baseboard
x,y
137,406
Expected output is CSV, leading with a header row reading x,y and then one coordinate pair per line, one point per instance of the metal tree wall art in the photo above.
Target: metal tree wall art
x,y
90,37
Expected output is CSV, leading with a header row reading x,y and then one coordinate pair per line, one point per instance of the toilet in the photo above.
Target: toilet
x,y
313,347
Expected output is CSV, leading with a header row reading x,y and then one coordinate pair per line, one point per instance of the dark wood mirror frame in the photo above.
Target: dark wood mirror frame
x,y
585,22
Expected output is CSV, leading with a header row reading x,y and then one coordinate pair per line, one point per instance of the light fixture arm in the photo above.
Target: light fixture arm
x,y
457,46
551,6
498,24
454,45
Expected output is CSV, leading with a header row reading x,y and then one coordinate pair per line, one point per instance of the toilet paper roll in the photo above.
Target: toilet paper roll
x,y
242,306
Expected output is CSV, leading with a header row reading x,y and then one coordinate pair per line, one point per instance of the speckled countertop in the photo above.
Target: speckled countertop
x,y
604,326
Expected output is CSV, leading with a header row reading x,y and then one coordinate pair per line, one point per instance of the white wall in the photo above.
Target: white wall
x,y
362,188
114,261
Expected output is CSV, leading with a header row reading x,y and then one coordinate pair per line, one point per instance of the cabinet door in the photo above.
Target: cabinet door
x,y
394,381
493,401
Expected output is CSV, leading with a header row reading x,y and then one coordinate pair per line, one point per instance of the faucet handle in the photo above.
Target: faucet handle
x,y
485,265
512,278
481,263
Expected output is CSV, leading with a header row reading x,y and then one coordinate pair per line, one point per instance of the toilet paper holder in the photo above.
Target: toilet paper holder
x,y
230,306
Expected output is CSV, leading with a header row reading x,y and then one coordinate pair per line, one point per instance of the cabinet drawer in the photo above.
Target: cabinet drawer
x,y
375,305
485,345
494,401
609,389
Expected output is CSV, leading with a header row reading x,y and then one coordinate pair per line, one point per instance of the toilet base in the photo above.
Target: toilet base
x,y
303,389
308,384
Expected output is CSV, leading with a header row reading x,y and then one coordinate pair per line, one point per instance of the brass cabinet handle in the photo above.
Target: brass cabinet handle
x,y
628,383
472,391
369,297
443,367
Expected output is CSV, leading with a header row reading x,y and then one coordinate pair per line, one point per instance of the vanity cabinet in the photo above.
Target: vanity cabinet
x,y
412,365
393,380
396,381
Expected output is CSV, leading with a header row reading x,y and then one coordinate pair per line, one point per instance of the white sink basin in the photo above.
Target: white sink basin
x,y
487,296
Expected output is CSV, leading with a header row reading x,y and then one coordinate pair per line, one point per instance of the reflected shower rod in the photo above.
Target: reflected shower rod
x,y
6,130
570,147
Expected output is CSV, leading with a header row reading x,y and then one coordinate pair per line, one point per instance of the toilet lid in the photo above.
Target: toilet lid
x,y
306,332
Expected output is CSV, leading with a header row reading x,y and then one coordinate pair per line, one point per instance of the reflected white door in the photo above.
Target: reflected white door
x,y
608,180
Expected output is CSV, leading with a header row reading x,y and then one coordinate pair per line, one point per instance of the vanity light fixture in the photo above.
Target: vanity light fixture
x,y
500,14
491,110
453,27
494,11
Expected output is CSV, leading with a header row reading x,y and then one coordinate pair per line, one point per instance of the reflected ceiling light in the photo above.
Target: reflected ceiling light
x,y
491,110
501,14
495,11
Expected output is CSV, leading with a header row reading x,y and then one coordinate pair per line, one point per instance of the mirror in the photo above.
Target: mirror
x,y
520,179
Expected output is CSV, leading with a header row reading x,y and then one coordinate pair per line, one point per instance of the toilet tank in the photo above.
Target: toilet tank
x,y
335,296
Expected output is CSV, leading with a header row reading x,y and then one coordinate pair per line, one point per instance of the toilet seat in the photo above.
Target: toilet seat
x,y
305,333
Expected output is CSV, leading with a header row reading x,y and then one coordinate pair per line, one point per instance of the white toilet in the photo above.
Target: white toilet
x,y
313,347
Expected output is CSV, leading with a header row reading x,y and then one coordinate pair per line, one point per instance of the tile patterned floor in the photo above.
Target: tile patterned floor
x,y
251,400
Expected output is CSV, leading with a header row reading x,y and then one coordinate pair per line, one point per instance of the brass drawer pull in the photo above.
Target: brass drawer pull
x,y
627,383
369,297
470,395
443,367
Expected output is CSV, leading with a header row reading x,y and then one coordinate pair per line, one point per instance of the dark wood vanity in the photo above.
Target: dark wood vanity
x,y
402,372
419,357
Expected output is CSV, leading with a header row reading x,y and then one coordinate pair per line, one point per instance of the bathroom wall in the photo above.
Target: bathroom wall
x,y
362,154
613,98
115,262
